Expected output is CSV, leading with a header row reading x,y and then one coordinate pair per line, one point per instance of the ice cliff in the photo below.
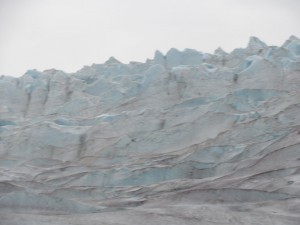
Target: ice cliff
x,y
184,138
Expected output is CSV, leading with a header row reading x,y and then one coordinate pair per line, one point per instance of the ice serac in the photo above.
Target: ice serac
x,y
256,45
185,138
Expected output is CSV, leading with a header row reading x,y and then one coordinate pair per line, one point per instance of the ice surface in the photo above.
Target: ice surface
x,y
185,138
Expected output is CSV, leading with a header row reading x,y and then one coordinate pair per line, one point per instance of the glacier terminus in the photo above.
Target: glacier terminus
x,y
185,138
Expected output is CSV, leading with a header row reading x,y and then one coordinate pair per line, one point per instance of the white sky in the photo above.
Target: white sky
x,y
68,34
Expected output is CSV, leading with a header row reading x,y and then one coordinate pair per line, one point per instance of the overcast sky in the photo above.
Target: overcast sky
x,y
68,34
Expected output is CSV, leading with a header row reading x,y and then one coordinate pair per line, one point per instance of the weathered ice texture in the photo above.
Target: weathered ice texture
x,y
185,138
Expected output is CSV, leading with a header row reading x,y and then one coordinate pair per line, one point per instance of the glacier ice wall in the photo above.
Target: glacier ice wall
x,y
185,138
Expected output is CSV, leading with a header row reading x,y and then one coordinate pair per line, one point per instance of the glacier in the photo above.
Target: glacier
x,y
184,138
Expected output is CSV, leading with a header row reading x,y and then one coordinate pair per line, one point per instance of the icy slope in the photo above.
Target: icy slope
x,y
185,138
